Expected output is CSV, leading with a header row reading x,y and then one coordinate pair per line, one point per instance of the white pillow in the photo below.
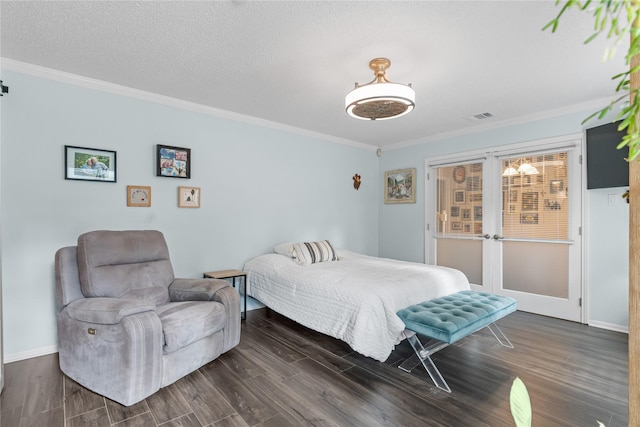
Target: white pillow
x,y
285,248
306,253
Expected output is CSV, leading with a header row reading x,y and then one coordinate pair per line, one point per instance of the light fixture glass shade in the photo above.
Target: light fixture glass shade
x,y
380,99
510,171
527,169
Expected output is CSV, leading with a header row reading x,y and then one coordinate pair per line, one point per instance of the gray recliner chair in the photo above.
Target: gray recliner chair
x,y
126,326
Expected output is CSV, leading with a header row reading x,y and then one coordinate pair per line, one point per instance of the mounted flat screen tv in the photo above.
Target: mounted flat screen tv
x,y
606,165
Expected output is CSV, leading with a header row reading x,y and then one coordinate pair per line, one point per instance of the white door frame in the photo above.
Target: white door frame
x,y
573,140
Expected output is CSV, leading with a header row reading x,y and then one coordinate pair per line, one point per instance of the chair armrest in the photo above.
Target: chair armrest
x,y
106,311
195,289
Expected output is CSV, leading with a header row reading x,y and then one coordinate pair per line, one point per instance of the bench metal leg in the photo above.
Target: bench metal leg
x,y
422,354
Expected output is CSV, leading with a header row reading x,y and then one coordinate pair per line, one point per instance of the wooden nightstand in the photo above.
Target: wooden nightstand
x,y
232,274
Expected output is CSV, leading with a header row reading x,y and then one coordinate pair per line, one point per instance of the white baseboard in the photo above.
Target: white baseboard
x,y
609,326
36,352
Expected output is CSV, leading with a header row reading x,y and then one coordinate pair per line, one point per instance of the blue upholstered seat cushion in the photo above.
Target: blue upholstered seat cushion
x,y
455,316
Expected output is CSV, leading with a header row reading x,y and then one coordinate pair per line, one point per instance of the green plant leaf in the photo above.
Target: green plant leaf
x,y
520,404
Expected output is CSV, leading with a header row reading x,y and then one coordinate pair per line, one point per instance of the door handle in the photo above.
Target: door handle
x,y
496,237
486,236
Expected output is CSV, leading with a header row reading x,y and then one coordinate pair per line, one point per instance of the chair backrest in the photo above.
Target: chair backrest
x,y
125,264
67,280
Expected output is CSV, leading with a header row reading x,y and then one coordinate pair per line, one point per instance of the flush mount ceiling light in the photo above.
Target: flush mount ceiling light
x,y
380,99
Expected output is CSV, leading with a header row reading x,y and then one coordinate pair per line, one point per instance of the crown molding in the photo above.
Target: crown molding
x,y
593,105
112,88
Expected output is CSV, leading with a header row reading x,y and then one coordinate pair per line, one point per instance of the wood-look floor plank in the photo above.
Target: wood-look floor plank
x,y
299,407
234,420
263,357
253,406
95,418
118,412
142,420
79,400
309,348
206,402
168,404
189,420
45,385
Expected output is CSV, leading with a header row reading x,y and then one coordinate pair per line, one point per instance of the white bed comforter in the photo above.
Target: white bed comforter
x,y
354,299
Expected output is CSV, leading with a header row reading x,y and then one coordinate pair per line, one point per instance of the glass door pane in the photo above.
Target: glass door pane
x,y
459,219
535,224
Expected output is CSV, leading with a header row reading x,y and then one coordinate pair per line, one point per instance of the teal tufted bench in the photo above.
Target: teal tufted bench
x,y
446,320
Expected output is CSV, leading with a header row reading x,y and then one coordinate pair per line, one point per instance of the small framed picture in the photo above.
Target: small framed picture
x,y
467,228
477,228
400,186
474,198
138,196
529,218
477,213
89,164
188,197
456,226
455,211
173,162
459,174
556,186
466,214
459,196
530,201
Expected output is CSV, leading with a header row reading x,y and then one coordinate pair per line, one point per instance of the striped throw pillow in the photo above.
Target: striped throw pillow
x,y
306,253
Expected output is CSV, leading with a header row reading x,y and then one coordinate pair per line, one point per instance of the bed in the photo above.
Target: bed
x,y
349,296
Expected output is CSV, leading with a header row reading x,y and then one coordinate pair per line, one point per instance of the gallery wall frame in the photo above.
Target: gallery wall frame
x,y
138,196
173,162
89,164
399,186
188,197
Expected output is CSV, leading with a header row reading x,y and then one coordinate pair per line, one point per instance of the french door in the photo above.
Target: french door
x,y
509,221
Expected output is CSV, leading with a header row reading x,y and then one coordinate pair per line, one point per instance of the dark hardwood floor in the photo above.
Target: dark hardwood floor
x,y
283,374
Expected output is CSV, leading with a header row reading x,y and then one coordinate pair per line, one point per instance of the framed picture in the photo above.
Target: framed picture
x,y
474,183
477,213
399,186
467,228
513,196
455,211
529,201
513,208
459,174
138,196
551,205
89,164
174,162
477,228
529,218
477,197
456,226
466,214
459,196
476,167
188,197
556,186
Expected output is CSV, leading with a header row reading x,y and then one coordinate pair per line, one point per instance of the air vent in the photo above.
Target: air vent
x,y
480,116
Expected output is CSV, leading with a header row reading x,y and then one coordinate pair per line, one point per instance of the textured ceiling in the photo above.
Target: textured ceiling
x,y
293,62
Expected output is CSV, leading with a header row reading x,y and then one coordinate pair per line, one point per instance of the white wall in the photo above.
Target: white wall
x,y
260,186
608,258
402,227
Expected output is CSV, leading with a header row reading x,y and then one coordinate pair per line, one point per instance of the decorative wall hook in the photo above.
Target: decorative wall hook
x,y
356,181
3,89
